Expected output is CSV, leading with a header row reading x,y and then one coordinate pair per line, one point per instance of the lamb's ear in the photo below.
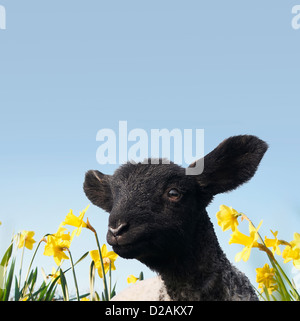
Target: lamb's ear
x,y
97,189
231,164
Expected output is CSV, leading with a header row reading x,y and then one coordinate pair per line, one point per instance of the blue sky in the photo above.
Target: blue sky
x,y
69,69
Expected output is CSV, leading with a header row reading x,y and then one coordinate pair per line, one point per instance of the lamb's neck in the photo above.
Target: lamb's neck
x,y
199,272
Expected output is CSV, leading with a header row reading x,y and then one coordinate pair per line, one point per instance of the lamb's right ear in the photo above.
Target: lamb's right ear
x,y
231,164
97,189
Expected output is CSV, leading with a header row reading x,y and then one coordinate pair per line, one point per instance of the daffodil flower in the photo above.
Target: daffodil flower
x,y
248,241
26,239
274,243
265,277
76,221
56,245
55,274
132,279
227,218
292,251
108,259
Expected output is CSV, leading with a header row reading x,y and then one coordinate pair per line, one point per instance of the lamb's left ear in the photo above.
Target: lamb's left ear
x,y
97,189
231,164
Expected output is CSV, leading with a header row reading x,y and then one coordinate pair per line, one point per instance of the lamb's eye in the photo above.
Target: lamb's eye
x,y
174,194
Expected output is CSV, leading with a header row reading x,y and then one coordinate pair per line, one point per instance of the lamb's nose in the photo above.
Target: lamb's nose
x,y
118,230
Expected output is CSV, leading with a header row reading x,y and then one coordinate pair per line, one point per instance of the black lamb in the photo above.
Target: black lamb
x,y
158,216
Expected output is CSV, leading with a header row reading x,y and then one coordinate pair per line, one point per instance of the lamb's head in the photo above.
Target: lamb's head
x,y
156,210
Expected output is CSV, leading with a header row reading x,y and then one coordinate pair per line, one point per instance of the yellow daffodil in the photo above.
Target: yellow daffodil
x,y
108,258
274,243
248,241
56,245
265,277
292,251
132,279
85,299
54,275
76,221
296,241
227,218
26,239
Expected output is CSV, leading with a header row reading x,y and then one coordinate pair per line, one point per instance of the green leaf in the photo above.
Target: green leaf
x,y
50,298
33,281
64,286
113,291
80,297
83,256
51,291
92,279
266,292
17,291
2,277
141,276
41,291
97,296
9,281
6,257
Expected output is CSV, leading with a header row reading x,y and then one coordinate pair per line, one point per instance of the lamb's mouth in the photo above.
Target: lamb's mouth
x,y
126,234
124,240
117,241
126,246
129,250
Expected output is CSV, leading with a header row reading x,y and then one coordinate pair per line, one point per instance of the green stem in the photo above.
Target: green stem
x,y
102,267
273,262
75,280
21,265
276,265
28,271
284,292
109,280
297,296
